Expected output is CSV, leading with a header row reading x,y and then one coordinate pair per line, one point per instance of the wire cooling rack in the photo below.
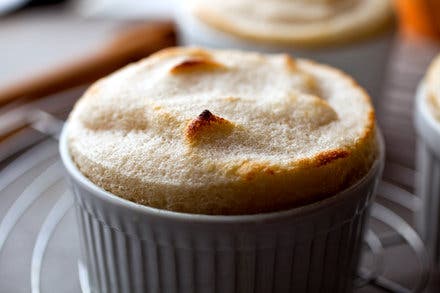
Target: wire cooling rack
x,y
38,236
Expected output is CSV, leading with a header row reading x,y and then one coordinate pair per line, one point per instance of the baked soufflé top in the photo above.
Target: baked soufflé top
x,y
223,132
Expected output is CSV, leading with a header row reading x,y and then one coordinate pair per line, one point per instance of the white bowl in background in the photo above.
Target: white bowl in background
x,y
365,60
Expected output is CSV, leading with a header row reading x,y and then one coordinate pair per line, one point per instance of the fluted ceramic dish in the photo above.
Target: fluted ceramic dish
x,y
133,248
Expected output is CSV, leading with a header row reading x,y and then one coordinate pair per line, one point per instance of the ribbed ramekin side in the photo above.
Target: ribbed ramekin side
x,y
319,253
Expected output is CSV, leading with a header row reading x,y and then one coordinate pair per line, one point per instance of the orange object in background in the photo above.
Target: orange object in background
x,y
421,17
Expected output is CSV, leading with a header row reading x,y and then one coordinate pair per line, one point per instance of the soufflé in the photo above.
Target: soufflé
x,y
223,132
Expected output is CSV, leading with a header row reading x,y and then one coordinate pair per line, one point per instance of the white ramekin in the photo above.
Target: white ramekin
x,y
365,60
128,247
428,174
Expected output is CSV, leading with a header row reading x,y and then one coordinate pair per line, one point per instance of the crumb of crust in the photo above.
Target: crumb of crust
x,y
195,63
205,126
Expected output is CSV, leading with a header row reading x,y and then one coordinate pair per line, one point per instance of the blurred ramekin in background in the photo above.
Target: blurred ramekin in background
x,y
361,50
427,123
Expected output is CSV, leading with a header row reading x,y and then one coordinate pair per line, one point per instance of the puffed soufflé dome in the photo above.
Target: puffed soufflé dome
x,y
223,132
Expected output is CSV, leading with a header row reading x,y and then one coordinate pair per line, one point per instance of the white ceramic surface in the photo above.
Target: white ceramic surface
x,y
428,175
132,248
366,61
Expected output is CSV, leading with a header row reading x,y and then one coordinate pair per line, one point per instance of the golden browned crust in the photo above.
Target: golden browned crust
x,y
195,63
192,52
329,156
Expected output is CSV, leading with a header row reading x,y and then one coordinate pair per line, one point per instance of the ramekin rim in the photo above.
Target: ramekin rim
x,y
386,31
109,197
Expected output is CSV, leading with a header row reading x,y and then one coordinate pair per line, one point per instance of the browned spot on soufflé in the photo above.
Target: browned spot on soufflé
x,y
250,170
195,63
330,156
290,63
206,125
